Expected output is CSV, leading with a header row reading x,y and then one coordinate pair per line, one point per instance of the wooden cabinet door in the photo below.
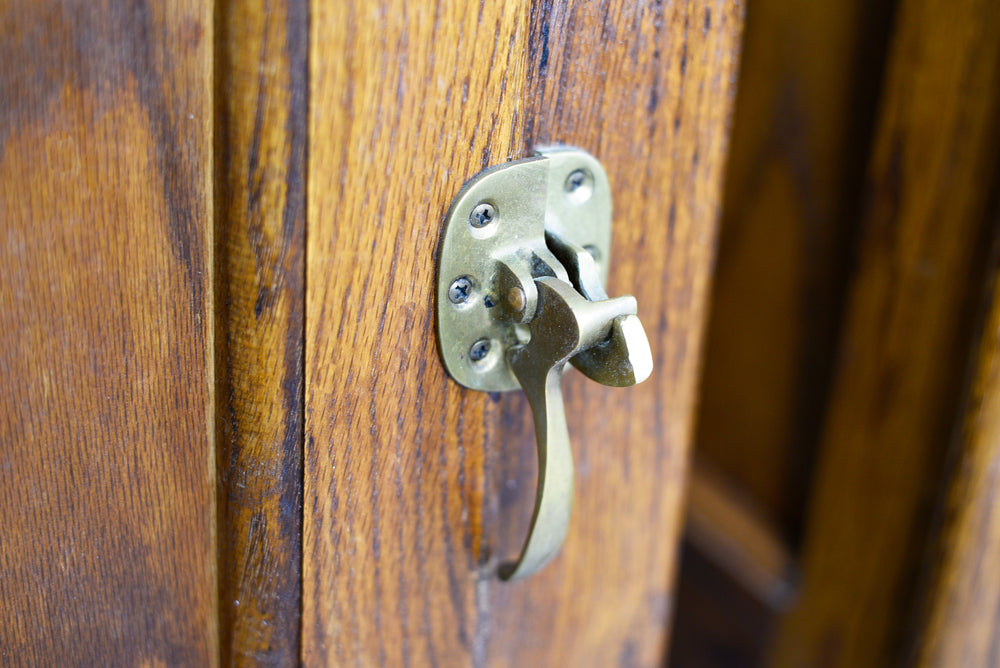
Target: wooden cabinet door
x,y
414,487
226,435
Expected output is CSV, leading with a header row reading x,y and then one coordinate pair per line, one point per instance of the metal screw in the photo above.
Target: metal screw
x,y
479,350
482,215
575,180
459,290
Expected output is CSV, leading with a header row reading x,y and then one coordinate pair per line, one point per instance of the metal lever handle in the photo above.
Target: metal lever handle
x,y
519,294
564,325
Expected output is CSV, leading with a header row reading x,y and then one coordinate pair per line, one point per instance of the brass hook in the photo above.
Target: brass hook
x,y
564,325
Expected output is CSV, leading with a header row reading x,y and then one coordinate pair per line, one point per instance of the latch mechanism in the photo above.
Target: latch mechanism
x,y
523,263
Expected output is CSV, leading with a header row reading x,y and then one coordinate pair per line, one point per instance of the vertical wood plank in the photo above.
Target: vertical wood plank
x,y
407,101
805,111
804,115
961,625
414,488
647,88
107,504
921,261
261,113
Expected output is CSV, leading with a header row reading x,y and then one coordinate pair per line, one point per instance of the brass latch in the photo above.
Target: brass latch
x,y
521,276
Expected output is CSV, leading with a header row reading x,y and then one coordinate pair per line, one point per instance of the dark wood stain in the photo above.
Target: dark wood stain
x,y
361,503
260,144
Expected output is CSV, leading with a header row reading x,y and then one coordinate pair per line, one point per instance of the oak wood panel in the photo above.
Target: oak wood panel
x,y
961,619
906,334
260,143
804,113
107,504
647,88
416,489
408,101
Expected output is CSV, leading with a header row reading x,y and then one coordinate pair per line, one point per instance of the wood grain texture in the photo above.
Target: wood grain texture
x,y
648,89
408,101
922,256
414,488
107,504
961,624
804,114
261,114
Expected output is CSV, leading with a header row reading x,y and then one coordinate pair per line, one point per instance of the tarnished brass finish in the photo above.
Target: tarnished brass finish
x,y
564,325
520,293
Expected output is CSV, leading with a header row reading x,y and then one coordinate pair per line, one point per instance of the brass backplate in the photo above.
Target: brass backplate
x,y
501,216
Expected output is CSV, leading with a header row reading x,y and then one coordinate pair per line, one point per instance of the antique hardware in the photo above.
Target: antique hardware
x,y
523,263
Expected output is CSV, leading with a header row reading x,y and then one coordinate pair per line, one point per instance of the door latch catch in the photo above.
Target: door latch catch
x,y
521,275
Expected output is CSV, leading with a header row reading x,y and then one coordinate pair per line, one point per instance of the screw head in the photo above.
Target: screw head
x,y
460,290
482,215
479,350
575,180
579,186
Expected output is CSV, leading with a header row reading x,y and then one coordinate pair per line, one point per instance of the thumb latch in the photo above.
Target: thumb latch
x,y
521,274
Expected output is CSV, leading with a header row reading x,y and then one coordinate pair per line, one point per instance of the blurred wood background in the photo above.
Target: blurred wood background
x,y
844,397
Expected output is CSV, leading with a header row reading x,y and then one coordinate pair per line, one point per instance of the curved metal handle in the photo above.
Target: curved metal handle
x,y
554,496
564,325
